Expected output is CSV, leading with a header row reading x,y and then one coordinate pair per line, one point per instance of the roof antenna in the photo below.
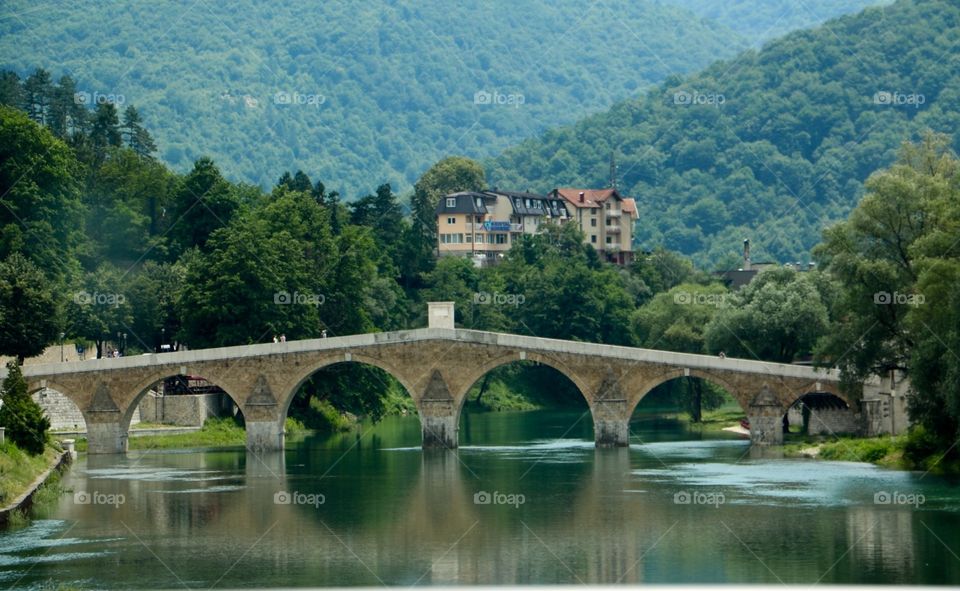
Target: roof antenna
x,y
613,170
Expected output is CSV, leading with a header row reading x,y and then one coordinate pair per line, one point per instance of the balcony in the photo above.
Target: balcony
x,y
612,229
516,227
613,213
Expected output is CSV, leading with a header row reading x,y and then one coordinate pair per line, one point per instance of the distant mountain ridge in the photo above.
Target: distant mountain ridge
x,y
771,145
359,93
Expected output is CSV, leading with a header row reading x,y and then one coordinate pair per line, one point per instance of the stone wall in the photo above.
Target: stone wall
x,y
833,421
187,410
64,415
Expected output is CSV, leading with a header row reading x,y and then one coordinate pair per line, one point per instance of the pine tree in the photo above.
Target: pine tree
x,y
106,129
137,137
38,92
21,417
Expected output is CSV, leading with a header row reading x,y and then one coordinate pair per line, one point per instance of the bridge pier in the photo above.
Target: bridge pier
x,y
611,423
766,419
265,436
438,424
106,437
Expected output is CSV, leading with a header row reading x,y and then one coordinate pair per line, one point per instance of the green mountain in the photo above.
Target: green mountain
x,y
759,22
358,94
772,145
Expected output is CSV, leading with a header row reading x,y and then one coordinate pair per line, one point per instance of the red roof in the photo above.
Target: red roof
x,y
629,206
592,198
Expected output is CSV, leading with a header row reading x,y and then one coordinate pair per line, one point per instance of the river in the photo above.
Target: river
x,y
526,499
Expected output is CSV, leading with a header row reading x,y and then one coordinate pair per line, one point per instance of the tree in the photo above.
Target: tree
x,y
98,308
268,272
20,416
138,138
105,131
39,196
28,311
203,203
126,199
899,272
37,94
11,91
776,317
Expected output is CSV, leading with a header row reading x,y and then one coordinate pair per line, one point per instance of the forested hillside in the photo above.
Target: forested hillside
x,y
361,93
773,145
759,22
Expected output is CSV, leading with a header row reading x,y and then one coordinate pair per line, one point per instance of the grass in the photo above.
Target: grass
x,y
19,469
883,451
216,432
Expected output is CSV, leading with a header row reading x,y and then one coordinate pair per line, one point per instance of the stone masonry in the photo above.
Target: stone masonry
x,y
437,366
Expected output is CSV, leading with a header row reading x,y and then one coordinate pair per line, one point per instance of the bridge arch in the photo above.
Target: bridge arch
x,y
297,381
476,374
139,391
650,384
61,409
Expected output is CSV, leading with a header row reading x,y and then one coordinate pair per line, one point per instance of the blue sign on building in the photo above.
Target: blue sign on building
x,y
496,226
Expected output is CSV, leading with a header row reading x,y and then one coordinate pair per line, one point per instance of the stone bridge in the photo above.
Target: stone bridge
x,y
437,365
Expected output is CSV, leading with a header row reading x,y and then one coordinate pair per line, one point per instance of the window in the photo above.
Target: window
x,y
479,219
593,238
451,220
593,222
609,241
479,238
501,238
451,201
479,202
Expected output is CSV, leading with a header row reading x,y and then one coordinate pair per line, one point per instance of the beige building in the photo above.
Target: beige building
x,y
483,226
605,217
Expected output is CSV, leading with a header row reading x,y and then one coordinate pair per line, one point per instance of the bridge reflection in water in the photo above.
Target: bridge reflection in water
x,y
400,516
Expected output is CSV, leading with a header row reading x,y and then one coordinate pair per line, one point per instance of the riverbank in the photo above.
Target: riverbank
x,y
23,477
902,452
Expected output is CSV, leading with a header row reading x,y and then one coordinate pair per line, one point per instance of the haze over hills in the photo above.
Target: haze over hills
x,y
370,93
772,145
759,22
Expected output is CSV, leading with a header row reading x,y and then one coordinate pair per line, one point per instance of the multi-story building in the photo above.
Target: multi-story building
x,y
485,225
606,219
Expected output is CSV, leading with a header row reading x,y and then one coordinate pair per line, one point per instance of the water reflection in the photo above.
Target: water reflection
x,y
374,509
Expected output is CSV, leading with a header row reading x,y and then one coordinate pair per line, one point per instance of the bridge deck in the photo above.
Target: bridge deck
x,y
520,342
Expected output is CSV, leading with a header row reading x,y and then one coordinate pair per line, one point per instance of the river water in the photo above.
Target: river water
x,y
526,499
